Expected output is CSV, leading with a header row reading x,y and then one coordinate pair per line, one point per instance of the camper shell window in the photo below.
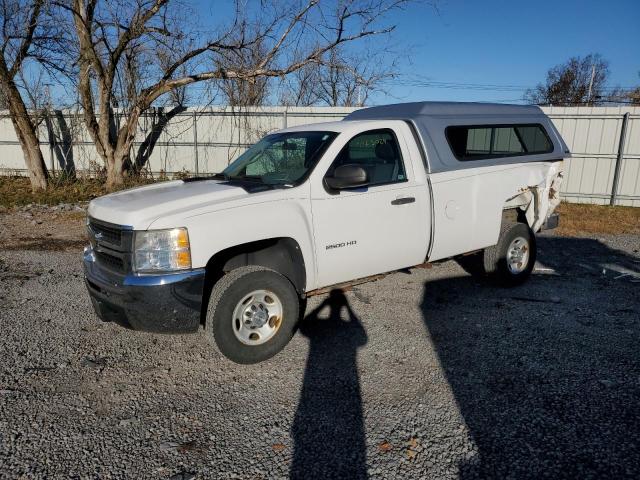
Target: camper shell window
x,y
481,142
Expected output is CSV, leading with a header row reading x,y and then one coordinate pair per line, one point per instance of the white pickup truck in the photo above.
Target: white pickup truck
x,y
314,206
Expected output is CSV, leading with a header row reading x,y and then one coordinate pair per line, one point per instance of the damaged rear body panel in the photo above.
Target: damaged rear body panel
x,y
539,201
469,208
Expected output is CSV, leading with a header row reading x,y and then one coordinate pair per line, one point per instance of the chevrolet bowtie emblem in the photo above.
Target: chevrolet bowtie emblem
x,y
99,236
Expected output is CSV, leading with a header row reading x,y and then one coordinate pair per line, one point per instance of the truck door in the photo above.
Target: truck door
x,y
377,228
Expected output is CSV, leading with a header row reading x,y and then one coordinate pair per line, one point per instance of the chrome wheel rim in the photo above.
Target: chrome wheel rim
x,y
257,317
518,255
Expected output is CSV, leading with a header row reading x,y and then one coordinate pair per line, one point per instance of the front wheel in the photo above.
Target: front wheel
x,y
511,261
252,314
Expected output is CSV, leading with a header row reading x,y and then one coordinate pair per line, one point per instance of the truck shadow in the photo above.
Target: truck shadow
x,y
546,375
328,428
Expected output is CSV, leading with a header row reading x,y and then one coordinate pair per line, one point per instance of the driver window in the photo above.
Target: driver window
x,y
378,152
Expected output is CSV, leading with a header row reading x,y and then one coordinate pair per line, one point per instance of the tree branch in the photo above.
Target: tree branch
x,y
136,28
23,50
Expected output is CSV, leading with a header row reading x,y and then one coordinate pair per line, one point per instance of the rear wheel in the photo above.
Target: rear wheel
x,y
252,314
511,261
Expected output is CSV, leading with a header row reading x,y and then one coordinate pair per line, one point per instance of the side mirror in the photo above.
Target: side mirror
x,y
347,176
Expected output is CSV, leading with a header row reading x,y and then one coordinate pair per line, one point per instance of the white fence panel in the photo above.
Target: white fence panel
x,y
593,136
205,141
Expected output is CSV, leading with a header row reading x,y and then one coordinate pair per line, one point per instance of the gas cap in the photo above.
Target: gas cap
x,y
451,210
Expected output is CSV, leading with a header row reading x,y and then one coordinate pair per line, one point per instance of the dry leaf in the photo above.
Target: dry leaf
x,y
411,454
186,447
413,442
385,447
278,447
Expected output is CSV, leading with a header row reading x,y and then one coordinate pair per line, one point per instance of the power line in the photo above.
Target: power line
x,y
482,86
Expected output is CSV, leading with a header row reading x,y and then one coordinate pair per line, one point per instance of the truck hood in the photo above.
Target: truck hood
x,y
139,207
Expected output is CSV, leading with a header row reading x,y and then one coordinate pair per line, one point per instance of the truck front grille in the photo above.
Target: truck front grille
x,y
110,261
112,244
106,233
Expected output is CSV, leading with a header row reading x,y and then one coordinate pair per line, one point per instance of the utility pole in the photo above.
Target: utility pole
x,y
593,74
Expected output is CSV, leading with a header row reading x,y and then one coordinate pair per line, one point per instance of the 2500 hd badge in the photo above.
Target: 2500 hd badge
x,y
340,245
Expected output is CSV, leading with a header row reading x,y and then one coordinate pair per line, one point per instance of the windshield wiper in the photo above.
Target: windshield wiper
x,y
247,178
222,175
251,179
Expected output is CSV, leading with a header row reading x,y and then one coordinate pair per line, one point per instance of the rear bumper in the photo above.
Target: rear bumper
x,y
552,222
167,303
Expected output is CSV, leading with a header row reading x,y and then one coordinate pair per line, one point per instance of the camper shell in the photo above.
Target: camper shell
x,y
430,121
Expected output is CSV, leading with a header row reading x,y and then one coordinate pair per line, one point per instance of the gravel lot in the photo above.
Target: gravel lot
x,y
430,373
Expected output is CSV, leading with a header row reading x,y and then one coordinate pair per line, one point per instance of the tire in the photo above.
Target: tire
x,y
472,264
515,238
245,334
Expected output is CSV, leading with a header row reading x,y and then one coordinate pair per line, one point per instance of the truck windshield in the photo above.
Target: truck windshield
x,y
281,158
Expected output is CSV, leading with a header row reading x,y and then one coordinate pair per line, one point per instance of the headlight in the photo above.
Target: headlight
x,y
162,250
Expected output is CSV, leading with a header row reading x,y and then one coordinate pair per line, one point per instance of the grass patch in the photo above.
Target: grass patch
x,y
16,191
576,219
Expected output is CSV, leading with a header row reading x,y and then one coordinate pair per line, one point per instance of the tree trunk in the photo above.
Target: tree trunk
x,y
32,154
115,167
122,151
25,131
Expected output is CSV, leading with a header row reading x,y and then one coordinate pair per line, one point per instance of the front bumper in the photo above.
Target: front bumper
x,y
165,303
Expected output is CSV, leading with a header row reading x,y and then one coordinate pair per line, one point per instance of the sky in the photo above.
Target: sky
x,y
515,42
499,42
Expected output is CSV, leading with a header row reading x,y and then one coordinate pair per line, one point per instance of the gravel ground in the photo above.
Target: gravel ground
x,y
430,373
42,227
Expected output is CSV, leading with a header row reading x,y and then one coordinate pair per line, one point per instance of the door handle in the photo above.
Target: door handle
x,y
403,200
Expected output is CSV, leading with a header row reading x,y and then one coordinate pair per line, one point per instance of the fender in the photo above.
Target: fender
x,y
213,232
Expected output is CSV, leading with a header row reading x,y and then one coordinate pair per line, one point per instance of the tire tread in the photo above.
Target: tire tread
x,y
220,288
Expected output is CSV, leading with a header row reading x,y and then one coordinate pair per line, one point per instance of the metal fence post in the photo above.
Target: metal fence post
x,y
51,138
619,158
195,141
51,157
284,118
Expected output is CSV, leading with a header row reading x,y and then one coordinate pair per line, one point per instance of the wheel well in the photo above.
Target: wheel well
x,y
514,215
280,254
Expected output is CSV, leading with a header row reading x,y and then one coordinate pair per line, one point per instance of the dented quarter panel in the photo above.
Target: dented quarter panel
x,y
468,204
545,197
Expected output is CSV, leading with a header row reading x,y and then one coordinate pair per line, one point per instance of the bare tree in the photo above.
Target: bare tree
x,y
299,89
250,92
107,31
579,81
4,105
29,41
339,79
349,80
633,96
